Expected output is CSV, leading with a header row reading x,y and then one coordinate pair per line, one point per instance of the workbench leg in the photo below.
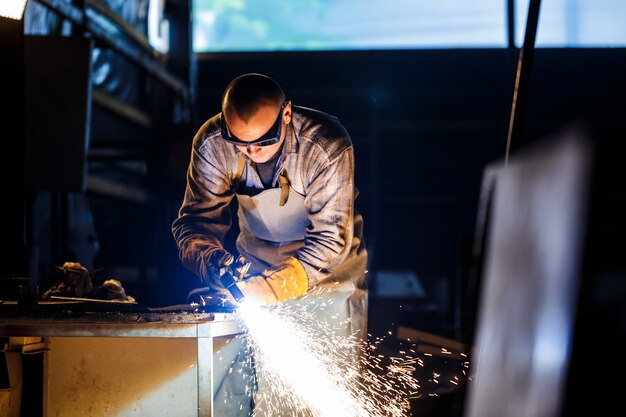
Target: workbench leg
x,y
11,397
205,377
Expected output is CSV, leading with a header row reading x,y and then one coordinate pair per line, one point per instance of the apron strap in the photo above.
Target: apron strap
x,y
241,164
284,187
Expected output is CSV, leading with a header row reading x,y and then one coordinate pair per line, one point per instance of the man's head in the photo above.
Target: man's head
x,y
255,114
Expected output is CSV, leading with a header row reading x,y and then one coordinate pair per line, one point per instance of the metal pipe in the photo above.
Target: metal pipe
x,y
520,94
510,19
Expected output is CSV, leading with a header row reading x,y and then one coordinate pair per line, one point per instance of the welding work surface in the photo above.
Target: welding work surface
x,y
86,352
16,322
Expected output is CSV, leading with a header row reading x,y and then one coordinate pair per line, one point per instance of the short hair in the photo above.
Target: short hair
x,y
248,92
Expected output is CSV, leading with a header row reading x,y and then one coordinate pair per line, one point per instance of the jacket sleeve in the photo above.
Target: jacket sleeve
x,y
330,205
204,217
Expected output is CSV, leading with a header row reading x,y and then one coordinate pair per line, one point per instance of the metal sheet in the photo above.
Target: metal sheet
x,y
528,298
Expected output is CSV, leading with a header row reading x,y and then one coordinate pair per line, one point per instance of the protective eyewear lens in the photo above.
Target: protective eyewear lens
x,y
271,137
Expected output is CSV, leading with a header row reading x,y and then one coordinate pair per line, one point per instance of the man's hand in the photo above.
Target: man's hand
x,y
214,260
288,279
282,282
258,290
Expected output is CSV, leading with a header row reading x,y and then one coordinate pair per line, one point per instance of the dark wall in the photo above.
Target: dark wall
x,y
423,124
11,117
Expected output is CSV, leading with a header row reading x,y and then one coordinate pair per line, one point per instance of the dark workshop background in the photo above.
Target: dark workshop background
x,y
97,128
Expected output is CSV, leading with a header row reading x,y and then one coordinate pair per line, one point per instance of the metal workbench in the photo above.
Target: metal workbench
x,y
202,327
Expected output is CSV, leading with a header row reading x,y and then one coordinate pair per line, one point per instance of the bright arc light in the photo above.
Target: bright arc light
x,y
13,9
307,374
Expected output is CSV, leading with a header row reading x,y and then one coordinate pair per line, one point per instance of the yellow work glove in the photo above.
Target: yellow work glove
x,y
287,279
282,282
258,290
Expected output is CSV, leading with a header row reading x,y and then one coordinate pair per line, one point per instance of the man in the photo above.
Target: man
x,y
291,170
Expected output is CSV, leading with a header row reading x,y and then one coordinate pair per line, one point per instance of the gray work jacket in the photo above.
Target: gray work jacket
x,y
318,157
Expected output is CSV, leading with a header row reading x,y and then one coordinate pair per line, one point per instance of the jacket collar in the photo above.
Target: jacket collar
x,y
291,143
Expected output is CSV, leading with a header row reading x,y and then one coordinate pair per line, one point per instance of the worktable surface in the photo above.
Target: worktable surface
x,y
57,321
125,327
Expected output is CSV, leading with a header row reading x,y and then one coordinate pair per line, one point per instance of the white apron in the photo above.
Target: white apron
x,y
272,225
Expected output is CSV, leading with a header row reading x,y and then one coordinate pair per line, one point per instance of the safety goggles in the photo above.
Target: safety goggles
x,y
271,137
